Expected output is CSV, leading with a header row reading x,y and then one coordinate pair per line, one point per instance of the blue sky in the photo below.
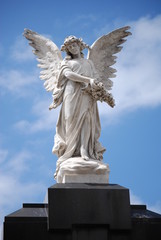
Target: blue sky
x,y
131,131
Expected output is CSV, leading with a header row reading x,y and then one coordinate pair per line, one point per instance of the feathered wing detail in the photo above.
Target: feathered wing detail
x,y
102,54
49,58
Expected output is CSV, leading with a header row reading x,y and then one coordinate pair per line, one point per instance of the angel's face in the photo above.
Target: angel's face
x,y
74,48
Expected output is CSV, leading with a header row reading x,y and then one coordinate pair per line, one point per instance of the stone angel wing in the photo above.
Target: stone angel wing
x,y
102,54
49,58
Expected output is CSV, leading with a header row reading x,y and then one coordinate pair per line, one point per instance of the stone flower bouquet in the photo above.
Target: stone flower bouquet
x,y
101,94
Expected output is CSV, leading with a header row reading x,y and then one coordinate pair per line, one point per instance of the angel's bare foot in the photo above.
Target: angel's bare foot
x,y
84,154
85,157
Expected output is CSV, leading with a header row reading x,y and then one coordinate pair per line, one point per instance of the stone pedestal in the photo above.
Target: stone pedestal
x,y
98,204
84,212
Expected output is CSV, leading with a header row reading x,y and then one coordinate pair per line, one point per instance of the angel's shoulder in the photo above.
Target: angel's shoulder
x,y
65,62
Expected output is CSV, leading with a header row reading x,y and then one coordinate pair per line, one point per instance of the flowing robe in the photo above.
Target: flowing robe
x,y
77,107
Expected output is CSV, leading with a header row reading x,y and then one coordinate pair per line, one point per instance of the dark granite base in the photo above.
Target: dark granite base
x,y
105,209
88,204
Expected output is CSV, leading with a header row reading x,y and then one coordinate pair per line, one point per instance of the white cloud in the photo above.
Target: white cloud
x,y
45,119
156,207
17,82
23,85
21,51
14,193
138,82
13,189
134,199
18,163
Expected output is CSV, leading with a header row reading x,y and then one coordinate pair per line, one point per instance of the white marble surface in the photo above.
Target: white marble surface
x,y
86,178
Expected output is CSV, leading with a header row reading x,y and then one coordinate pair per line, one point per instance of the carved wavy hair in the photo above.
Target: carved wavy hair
x,y
70,40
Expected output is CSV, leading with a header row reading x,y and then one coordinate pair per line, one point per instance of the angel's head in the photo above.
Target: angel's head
x,y
73,45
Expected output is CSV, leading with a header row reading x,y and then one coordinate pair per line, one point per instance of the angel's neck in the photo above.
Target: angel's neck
x,y
76,56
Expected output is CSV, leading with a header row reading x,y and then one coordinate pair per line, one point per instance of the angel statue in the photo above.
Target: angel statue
x,y
77,84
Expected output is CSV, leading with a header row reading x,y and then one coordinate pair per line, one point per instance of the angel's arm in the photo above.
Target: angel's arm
x,y
79,78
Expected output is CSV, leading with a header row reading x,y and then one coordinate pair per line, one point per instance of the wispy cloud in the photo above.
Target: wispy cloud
x,y
14,190
155,207
134,199
18,81
45,119
18,163
21,51
138,82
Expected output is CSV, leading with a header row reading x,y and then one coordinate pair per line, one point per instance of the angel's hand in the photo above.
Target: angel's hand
x,y
94,83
